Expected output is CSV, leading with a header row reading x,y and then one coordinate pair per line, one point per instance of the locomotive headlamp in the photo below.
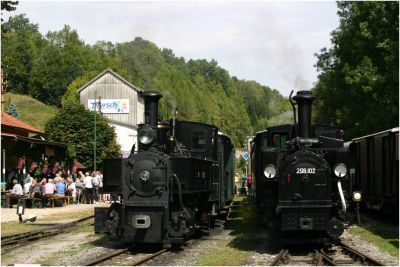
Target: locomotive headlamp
x,y
270,171
340,170
357,196
146,135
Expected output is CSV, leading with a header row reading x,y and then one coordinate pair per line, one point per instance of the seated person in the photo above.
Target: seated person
x,y
71,189
15,194
60,188
27,185
36,191
49,189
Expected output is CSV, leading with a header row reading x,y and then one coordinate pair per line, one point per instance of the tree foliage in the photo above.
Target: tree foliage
x,y
52,67
73,125
12,110
359,75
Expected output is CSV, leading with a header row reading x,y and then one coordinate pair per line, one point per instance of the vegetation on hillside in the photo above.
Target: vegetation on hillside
x,y
359,75
30,110
51,67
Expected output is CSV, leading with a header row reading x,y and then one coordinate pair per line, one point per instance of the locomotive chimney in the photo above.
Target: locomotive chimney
x,y
151,99
304,100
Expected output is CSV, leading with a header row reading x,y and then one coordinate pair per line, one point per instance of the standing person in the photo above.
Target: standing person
x,y
79,191
101,186
81,177
96,185
249,185
88,188
236,183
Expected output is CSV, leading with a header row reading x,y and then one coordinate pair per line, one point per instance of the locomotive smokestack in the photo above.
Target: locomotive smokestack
x,y
151,99
304,101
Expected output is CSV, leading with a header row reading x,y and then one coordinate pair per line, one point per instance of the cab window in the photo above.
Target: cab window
x,y
279,140
199,140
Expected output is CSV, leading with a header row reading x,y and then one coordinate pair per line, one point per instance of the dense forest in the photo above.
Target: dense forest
x,y
51,67
358,85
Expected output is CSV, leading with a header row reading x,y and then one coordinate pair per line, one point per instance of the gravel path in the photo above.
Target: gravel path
x,y
10,215
74,249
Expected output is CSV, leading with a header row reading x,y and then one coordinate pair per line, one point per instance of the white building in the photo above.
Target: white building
x,y
119,101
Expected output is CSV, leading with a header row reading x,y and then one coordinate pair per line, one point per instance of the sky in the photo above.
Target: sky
x,y
271,42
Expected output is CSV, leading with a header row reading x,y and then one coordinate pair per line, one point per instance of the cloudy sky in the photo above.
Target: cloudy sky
x,y
270,42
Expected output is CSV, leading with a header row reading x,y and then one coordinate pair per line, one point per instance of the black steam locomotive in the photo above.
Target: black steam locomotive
x,y
301,175
180,179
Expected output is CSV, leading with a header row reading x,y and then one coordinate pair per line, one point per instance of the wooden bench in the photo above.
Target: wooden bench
x,y
35,202
65,200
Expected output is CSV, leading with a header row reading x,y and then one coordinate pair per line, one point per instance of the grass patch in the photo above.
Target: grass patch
x,y
384,236
95,243
54,258
223,255
245,227
32,112
12,228
67,216
85,228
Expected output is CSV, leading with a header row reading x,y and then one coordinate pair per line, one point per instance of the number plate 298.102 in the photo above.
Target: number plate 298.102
x,y
305,170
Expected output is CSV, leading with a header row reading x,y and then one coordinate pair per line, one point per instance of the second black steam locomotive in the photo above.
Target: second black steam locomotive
x,y
180,178
301,175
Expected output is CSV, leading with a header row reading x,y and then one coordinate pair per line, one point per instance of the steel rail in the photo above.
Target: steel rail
x,y
149,257
357,254
19,240
321,258
280,257
107,257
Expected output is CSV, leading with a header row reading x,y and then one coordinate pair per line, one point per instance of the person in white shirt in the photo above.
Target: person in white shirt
x,y
72,188
15,194
27,185
88,188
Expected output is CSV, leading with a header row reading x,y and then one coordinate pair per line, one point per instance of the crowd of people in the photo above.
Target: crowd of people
x,y
243,186
86,188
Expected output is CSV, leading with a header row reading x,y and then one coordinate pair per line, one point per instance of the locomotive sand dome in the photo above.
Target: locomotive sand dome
x,y
180,178
303,189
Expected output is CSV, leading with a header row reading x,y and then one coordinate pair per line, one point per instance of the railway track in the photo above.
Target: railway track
x,y
12,242
339,255
126,255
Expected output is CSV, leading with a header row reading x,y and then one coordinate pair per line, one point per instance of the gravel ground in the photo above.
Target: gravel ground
x,y
369,249
194,248
73,249
10,215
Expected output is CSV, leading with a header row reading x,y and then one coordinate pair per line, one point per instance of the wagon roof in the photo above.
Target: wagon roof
x,y
392,130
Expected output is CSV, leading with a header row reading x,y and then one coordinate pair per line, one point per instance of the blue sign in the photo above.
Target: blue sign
x,y
245,155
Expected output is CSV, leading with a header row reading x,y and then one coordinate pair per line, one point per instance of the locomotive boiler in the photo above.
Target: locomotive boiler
x,y
303,186
180,179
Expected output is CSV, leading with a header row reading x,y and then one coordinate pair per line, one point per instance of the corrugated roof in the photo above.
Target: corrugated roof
x,y
14,122
108,70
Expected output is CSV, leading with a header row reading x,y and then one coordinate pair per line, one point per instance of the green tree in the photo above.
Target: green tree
x,y
12,110
58,64
19,49
73,125
359,75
